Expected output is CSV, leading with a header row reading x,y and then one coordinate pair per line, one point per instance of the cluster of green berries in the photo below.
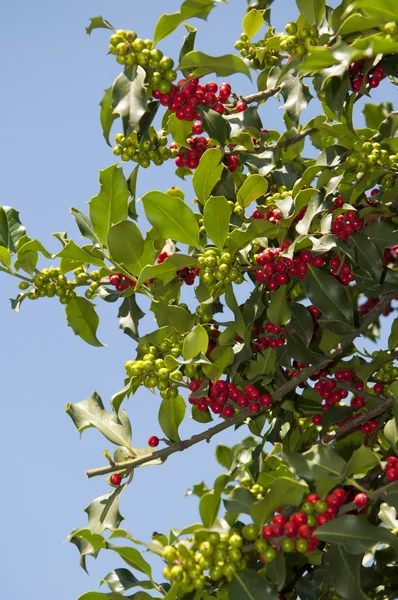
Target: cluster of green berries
x,y
51,282
391,29
257,52
256,489
131,50
153,149
219,265
387,373
219,554
150,367
369,157
299,41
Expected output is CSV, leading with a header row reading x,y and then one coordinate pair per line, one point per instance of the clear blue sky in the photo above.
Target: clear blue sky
x,y
53,76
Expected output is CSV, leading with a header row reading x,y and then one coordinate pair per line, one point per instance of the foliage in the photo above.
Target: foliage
x,y
307,237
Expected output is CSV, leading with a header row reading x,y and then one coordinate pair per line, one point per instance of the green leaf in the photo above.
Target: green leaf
x,y
166,271
367,256
296,94
393,339
279,312
244,121
195,342
216,215
85,225
5,257
221,357
224,456
392,497
239,238
171,218
325,292
98,23
171,415
107,115
362,459
75,253
121,580
126,244
384,12
264,364
209,506
382,234
202,64
129,99
82,318
207,174
214,124
253,187
11,228
170,314
179,130
110,206
355,23
91,413
301,323
239,501
355,534
252,22
282,492
319,460
249,585
189,9
129,315
375,114
132,557
189,43
345,573
311,10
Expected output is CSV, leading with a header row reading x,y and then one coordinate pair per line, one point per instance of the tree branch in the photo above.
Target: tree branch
x,y
291,140
238,419
264,95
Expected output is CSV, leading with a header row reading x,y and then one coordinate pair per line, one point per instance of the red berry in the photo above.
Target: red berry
x,y
322,519
317,419
211,87
153,441
392,474
265,400
268,532
219,108
378,388
305,532
254,407
228,411
290,529
279,520
299,518
312,498
361,500
115,479
241,106
340,494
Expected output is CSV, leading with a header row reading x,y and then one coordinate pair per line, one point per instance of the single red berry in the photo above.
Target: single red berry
x,y
392,474
322,519
290,529
254,407
279,520
378,388
312,498
153,441
115,479
361,500
265,400
392,461
317,419
268,532
305,532
241,106
340,494
299,518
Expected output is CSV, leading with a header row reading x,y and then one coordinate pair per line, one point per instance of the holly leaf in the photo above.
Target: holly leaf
x,y
91,413
189,9
11,228
202,64
214,124
171,218
253,187
279,311
318,461
252,22
195,342
209,506
171,415
239,501
98,23
355,534
296,94
129,99
83,320
216,215
126,244
282,492
111,205
249,585
345,573
311,10
107,116
207,174
129,316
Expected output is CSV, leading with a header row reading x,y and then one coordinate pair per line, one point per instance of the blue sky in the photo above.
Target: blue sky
x,y
51,150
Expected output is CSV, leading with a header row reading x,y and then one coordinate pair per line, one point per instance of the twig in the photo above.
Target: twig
x,y
291,140
238,419
254,97
383,491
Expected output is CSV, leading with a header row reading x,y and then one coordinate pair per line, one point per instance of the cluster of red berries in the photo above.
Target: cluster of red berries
x,y
347,223
189,93
297,533
357,75
392,468
342,272
273,337
231,162
185,273
121,282
221,392
273,215
190,158
277,269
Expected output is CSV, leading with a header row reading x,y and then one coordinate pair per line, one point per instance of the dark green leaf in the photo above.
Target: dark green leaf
x,y
239,501
121,580
166,271
296,94
382,234
209,506
129,99
311,10
207,174
355,534
301,323
249,585
11,228
203,64
214,124
126,244
367,255
239,238
284,491
189,43
107,115
319,460
98,23
129,316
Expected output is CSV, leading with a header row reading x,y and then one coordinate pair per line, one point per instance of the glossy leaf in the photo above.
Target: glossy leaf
x,y
166,271
126,244
345,571
252,22
195,342
207,174
239,501
279,311
216,215
83,320
209,506
253,187
171,218
91,413
133,558
107,115
202,64
121,580
171,415
311,10
214,124
249,585
319,460
110,206
129,99
11,228
355,534
282,491
189,9
98,23
129,315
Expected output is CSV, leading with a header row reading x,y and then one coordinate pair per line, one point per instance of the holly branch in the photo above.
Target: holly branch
x,y
277,396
